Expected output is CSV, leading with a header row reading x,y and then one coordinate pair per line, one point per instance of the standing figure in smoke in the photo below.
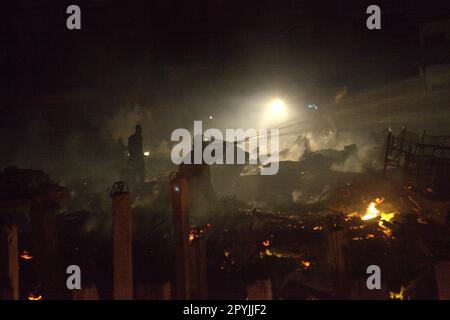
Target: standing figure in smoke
x,y
136,165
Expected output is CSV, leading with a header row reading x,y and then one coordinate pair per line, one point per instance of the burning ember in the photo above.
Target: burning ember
x,y
25,255
197,232
306,264
373,213
397,296
34,296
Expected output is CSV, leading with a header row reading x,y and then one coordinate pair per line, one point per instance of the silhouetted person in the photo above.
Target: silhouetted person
x,y
136,164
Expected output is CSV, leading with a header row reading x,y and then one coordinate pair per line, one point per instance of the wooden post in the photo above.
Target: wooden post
x,y
442,272
85,293
260,290
145,291
9,263
180,229
122,242
197,267
45,248
336,256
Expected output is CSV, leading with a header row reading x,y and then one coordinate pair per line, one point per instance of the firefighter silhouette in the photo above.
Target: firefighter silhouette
x,y
136,165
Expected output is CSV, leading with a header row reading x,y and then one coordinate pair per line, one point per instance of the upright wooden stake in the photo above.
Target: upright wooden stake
x,y
442,272
45,248
146,291
122,243
180,229
9,263
85,293
260,290
197,266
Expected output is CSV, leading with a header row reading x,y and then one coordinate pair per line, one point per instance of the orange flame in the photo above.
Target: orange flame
x,y
397,296
25,255
33,297
306,264
372,211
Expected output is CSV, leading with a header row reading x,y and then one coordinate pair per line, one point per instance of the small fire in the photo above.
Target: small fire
x,y
33,296
25,255
384,229
387,216
372,211
191,236
318,228
306,264
357,227
397,296
266,243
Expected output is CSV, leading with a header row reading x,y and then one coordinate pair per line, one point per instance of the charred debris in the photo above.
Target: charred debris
x,y
308,233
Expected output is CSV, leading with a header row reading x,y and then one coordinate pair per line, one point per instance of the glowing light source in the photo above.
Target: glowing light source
x,y
277,106
397,295
34,296
274,112
25,255
371,212
306,264
146,153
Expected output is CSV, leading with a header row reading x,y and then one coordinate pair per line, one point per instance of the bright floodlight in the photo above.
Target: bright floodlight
x,y
277,106
275,112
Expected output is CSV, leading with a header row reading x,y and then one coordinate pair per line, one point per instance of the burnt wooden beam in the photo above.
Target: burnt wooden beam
x,y
45,248
146,291
122,242
180,229
85,293
197,267
260,290
9,263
